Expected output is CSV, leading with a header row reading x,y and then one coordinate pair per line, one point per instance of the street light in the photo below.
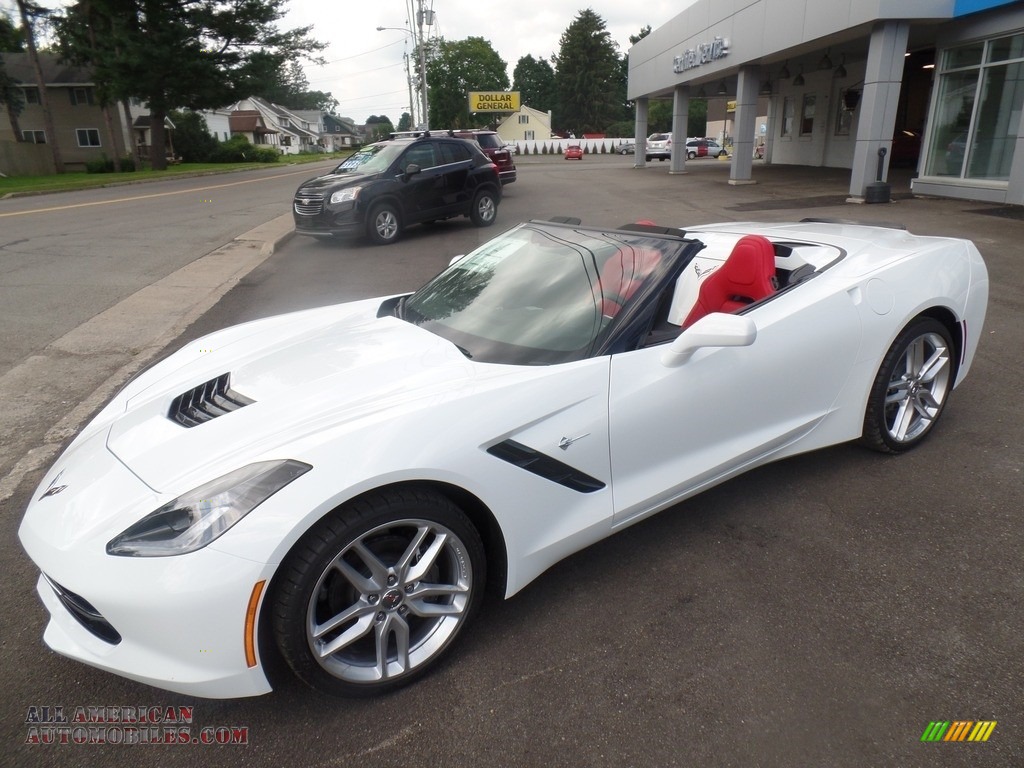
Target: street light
x,y
408,71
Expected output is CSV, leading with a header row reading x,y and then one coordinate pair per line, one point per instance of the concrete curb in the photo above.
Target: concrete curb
x,y
128,335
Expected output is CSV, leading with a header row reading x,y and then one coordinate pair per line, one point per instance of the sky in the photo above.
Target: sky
x,y
365,70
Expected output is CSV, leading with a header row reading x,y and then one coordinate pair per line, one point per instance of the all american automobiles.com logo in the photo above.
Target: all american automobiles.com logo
x,y
125,725
958,730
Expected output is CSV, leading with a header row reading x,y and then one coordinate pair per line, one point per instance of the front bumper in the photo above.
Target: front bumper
x,y
177,623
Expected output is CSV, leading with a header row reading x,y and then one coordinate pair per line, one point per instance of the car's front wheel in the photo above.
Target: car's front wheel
x,y
485,208
373,596
383,225
911,388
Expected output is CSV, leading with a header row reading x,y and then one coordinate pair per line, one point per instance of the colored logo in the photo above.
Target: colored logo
x,y
958,730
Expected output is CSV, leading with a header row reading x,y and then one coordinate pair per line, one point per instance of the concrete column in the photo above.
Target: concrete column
x,y
746,118
640,134
1015,189
879,100
680,121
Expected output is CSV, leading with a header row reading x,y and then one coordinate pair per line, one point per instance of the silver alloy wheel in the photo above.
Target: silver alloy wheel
x,y
386,224
390,601
486,210
917,388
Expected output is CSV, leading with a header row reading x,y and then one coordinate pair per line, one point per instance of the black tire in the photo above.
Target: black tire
x,y
691,155
484,210
415,577
647,158
384,224
911,388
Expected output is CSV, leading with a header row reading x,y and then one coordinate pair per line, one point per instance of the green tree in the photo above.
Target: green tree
x,y
453,69
405,122
181,53
192,138
588,76
291,89
378,127
535,81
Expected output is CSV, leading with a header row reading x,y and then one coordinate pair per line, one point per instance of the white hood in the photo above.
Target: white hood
x,y
319,370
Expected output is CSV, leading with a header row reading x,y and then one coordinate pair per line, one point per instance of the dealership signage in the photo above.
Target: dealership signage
x,y
702,54
494,101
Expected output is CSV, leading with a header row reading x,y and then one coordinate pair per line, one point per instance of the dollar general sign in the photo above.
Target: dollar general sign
x,y
494,101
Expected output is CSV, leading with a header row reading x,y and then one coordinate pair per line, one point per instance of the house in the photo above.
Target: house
x,y
251,124
340,133
524,125
78,120
280,127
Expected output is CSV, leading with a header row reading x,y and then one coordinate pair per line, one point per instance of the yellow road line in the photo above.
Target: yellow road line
x,y
193,190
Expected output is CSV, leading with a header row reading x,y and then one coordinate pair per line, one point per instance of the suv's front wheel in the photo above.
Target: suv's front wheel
x,y
383,225
484,209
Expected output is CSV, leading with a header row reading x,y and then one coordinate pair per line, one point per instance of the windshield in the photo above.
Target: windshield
x,y
371,159
539,295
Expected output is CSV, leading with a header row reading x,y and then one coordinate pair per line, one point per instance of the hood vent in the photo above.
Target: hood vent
x,y
206,402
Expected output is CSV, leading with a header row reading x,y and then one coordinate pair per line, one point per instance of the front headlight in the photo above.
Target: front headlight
x,y
193,520
346,195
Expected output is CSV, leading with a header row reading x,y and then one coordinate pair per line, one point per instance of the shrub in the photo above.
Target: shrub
x,y
106,165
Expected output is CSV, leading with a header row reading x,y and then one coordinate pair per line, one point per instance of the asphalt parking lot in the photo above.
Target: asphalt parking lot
x,y
821,611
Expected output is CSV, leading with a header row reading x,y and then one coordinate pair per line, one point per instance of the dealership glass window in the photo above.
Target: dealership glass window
x,y
88,137
787,116
807,114
844,118
976,112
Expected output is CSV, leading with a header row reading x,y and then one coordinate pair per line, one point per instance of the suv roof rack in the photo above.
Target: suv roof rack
x,y
419,134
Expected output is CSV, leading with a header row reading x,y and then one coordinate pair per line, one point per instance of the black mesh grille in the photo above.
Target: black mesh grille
x,y
206,402
84,613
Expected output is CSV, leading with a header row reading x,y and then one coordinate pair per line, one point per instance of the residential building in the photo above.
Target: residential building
x,y
78,120
525,125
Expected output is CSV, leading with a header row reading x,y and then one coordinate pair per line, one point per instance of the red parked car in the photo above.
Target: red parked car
x,y
574,152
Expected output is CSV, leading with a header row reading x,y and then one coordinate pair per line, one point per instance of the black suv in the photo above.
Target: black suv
x,y
492,145
405,180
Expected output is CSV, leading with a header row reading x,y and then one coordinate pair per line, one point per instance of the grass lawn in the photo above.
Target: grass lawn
x,y
82,180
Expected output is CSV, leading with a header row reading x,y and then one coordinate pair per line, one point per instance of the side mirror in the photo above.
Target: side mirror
x,y
412,169
714,330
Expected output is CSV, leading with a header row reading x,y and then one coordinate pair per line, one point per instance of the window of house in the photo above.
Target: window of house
x,y
34,137
88,137
807,114
31,95
81,96
528,135
524,119
787,116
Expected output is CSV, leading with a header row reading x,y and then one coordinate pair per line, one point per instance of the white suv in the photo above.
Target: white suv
x,y
659,145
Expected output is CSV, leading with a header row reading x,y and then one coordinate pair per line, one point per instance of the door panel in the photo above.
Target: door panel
x,y
674,429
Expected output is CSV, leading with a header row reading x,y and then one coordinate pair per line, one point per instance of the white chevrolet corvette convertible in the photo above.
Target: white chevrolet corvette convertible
x,y
336,487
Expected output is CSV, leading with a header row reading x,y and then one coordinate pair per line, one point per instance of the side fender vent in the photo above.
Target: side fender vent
x,y
545,466
206,402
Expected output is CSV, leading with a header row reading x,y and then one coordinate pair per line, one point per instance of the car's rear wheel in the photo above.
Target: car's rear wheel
x,y
383,225
691,155
375,594
911,388
484,209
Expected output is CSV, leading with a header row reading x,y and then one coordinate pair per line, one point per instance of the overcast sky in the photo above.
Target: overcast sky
x,y
365,70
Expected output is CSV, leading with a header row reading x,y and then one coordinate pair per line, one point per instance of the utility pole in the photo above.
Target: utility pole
x,y
424,17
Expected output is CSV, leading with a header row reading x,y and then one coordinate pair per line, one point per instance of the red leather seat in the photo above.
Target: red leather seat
x,y
623,274
748,275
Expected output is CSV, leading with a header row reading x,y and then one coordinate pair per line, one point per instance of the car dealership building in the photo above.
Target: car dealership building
x,y
842,78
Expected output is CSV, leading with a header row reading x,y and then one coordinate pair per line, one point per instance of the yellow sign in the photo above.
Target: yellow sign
x,y
494,101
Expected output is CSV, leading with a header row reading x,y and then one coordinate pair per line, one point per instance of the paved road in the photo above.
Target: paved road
x,y
820,611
